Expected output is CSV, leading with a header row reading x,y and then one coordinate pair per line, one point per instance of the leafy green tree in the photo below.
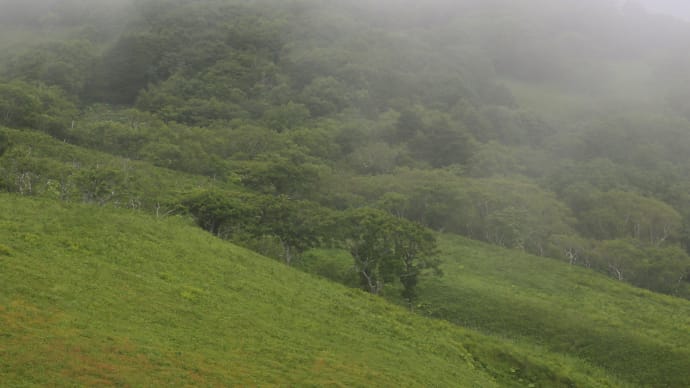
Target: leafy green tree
x,y
441,145
416,247
286,117
38,107
274,174
100,184
665,269
618,214
661,269
512,213
21,172
317,142
324,96
224,214
297,225
247,142
5,143
18,106
374,158
162,154
574,249
407,126
67,65
385,248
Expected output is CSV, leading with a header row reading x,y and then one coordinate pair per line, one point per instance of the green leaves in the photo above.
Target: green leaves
x,y
253,220
35,107
4,142
385,248
67,65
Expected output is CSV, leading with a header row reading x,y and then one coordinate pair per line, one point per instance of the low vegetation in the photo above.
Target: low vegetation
x,y
103,296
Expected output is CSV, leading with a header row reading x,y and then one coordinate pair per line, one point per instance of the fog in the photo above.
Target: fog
x,y
33,12
676,8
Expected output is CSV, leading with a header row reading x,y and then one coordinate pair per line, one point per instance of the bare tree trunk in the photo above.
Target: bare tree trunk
x,y
617,271
287,253
374,285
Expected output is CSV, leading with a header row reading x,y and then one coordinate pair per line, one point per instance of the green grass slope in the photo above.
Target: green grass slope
x,y
640,336
96,296
102,296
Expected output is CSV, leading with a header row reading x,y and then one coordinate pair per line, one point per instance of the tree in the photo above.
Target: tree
x,y
619,214
298,225
64,64
100,184
415,246
374,158
408,125
38,107
274,174
441,144
324,96
223,213
5,143
18,107
385,248
660,269
286,117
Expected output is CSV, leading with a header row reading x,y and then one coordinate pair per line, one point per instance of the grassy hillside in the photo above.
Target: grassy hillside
x,y
101,296
638,335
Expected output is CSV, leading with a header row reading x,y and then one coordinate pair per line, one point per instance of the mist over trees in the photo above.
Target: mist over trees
x,y
560,128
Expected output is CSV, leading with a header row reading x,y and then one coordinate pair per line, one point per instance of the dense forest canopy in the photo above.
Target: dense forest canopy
x,y
561,128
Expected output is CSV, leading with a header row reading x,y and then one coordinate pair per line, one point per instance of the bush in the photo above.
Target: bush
x,y
4,251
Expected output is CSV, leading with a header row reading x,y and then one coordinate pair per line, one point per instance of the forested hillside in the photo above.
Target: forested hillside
x,y
355,139
550,127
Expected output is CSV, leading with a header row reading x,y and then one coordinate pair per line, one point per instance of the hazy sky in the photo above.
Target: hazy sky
x,y
679,8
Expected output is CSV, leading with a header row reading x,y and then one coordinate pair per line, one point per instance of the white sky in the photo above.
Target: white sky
x,y
678,8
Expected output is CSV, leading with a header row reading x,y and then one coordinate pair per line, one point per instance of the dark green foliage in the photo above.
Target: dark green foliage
x,y
408,125
127,68
18,107
614,214
385,248
286,117
37,107
297,225
663,269
279,175
67,65
5,143
259,221
223,213
99,184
